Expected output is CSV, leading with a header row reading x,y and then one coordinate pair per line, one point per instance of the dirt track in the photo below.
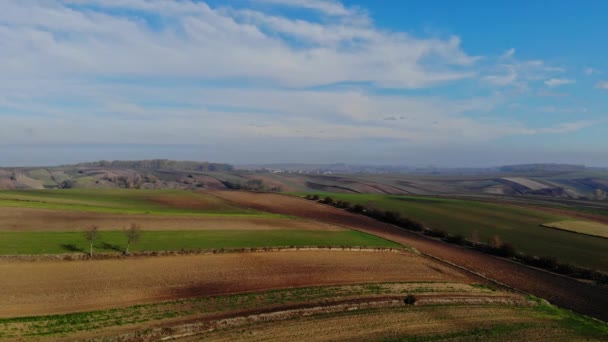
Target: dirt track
x,y
53,287
567,293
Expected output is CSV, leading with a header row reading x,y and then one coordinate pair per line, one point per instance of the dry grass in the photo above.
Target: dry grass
x,y
581,227
458,322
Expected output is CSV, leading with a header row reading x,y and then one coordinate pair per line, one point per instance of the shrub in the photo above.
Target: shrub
x,y
328,200
315,197
457,239
410,299
436,233
506,249
391,217
358,208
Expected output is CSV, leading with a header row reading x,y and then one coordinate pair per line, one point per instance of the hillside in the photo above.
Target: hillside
x,y
543,181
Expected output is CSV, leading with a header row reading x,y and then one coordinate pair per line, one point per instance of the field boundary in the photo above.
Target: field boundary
x,y
110,256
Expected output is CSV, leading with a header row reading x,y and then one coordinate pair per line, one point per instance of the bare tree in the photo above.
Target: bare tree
x,y
91,234
133,234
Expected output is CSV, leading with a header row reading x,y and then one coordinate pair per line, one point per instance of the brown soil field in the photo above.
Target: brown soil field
x,y
568,293
384,324
26,219
53,287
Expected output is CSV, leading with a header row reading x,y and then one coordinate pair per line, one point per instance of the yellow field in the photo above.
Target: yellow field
x,y
581,227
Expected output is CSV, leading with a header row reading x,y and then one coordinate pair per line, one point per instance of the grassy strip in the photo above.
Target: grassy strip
x,y
75,322
27,243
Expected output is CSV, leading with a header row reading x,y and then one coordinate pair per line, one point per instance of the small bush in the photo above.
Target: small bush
x,y
438,233
410,299
358,208
328,200
457,239
507,250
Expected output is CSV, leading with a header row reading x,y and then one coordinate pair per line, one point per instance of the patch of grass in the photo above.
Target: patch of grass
x,y
578,324
517,225
127,201
15,243
477,334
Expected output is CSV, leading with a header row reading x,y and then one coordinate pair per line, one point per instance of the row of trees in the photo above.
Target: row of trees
x,y
494,245
132,234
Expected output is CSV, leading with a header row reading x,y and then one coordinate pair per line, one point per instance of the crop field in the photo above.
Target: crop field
x,y
58,287
292,295
443,323
16,243
53,222
517,225
569,293
582,227
158,202
255,295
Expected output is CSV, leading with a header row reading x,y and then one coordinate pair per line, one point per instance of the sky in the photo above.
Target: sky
x,y
443,83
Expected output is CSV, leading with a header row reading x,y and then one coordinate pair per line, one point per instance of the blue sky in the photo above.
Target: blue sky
x,y
474,83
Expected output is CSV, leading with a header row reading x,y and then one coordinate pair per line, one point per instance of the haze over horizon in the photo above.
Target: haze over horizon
x,y
472,84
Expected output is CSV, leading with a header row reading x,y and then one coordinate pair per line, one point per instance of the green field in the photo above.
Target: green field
x,y
517,225
160,202
20,243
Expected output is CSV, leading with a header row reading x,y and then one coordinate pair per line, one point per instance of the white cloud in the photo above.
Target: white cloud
x,y
556,82
329,7
51,40
200,73
508,54
602,85
590,71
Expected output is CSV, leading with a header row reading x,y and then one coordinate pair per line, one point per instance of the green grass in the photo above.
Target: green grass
x,y
125,201
519,226
24,243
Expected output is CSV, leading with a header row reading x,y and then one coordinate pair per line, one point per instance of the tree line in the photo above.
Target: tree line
x,y
493,246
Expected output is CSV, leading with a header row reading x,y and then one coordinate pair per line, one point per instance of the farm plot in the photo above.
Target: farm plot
x,y
208,309
31,242
179,220
122,201
571,294
55,287
452,323
582,227
517,225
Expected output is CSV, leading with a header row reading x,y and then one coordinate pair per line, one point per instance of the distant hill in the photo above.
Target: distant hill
x,y
557,181
543,168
